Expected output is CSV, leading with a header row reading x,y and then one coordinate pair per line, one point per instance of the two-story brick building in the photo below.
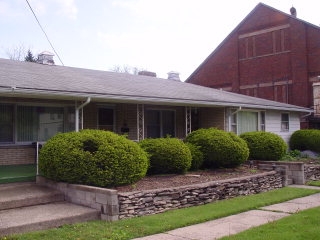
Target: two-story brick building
x,y
271,55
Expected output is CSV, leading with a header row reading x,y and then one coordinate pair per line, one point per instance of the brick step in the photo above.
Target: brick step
x,y
26,194
44,216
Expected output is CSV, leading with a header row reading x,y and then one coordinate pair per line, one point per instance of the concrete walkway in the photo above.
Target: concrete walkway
x,y
226,226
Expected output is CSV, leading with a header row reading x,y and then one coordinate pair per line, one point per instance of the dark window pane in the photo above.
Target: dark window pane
x,y
105,119
6,123
168,123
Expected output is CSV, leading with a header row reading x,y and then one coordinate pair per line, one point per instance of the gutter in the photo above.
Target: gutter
x,y
77,113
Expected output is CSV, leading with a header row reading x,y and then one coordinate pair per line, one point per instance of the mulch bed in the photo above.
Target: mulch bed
x,y
201,176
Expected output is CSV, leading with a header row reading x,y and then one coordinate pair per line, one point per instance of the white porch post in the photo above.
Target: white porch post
x,y
140,122
188,120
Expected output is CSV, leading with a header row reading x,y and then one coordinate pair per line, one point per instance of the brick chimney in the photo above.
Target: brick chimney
x,y
147,73
45,58
173,76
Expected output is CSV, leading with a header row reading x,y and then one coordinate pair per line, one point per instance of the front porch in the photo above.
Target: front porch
x,y
18,173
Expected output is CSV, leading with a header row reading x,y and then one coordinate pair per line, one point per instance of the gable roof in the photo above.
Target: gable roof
x,y
259,5
33,80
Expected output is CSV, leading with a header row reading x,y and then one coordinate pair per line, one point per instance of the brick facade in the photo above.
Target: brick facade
x,y
13,155
270,55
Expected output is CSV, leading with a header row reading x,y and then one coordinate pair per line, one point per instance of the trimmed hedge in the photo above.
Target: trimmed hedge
x,y
219,148
265,145
197,156
305,139
167,155
93,157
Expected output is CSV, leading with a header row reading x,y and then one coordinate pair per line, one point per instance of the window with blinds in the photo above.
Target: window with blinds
x,y
6,123
20,123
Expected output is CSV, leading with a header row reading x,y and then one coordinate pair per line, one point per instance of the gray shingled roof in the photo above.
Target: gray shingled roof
x,y
24,79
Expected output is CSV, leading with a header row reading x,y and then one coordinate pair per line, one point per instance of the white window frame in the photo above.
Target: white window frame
x,y
234,119
285,125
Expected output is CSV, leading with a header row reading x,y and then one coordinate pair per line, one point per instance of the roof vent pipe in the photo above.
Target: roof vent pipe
x,y
77,113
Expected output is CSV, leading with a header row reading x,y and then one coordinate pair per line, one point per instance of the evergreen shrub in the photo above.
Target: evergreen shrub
x,y
93,157
219,148
265,145
167,155
305,139
197,156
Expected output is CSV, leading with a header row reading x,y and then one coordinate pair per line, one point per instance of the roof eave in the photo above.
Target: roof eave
x,y
78,96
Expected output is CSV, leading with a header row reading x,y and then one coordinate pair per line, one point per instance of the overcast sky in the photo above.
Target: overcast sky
x,y
155,35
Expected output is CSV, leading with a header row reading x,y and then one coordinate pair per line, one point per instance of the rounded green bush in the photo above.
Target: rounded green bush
x,y
167,155
93,157
305,139
197,156
265,145
219,148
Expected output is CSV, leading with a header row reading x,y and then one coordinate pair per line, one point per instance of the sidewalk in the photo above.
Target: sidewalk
x,y
240,222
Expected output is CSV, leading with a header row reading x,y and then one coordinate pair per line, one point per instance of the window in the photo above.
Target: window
x,y
262,121
6,123
247,121
106,118
38,123
160,123
20,123
284,122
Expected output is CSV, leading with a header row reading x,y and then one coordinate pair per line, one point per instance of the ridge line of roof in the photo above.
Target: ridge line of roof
x,y
238,26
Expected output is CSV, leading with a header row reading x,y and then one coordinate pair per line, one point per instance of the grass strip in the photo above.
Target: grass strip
x,y
314,183
152,224
299,226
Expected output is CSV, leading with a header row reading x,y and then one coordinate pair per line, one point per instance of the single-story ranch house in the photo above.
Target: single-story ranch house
x,y
39,100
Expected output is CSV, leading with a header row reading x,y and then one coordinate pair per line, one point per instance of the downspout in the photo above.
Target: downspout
x,y
78,110
306,115
236,111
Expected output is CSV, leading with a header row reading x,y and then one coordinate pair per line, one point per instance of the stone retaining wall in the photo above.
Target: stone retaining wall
x,y
140,203
312,172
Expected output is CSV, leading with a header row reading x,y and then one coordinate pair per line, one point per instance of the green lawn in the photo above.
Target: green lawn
x,y
300,226
17,173
314,183
147,225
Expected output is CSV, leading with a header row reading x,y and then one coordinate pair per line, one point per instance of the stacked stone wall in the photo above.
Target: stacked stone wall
x,y
312,172
132,204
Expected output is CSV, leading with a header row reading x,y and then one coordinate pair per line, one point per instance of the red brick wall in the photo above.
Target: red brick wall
x,y
270,55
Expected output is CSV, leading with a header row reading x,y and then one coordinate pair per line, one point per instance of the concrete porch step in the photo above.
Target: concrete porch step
x,y
26,194
44,216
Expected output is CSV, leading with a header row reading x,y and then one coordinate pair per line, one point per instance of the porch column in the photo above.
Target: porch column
x,y
140,122
188,120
